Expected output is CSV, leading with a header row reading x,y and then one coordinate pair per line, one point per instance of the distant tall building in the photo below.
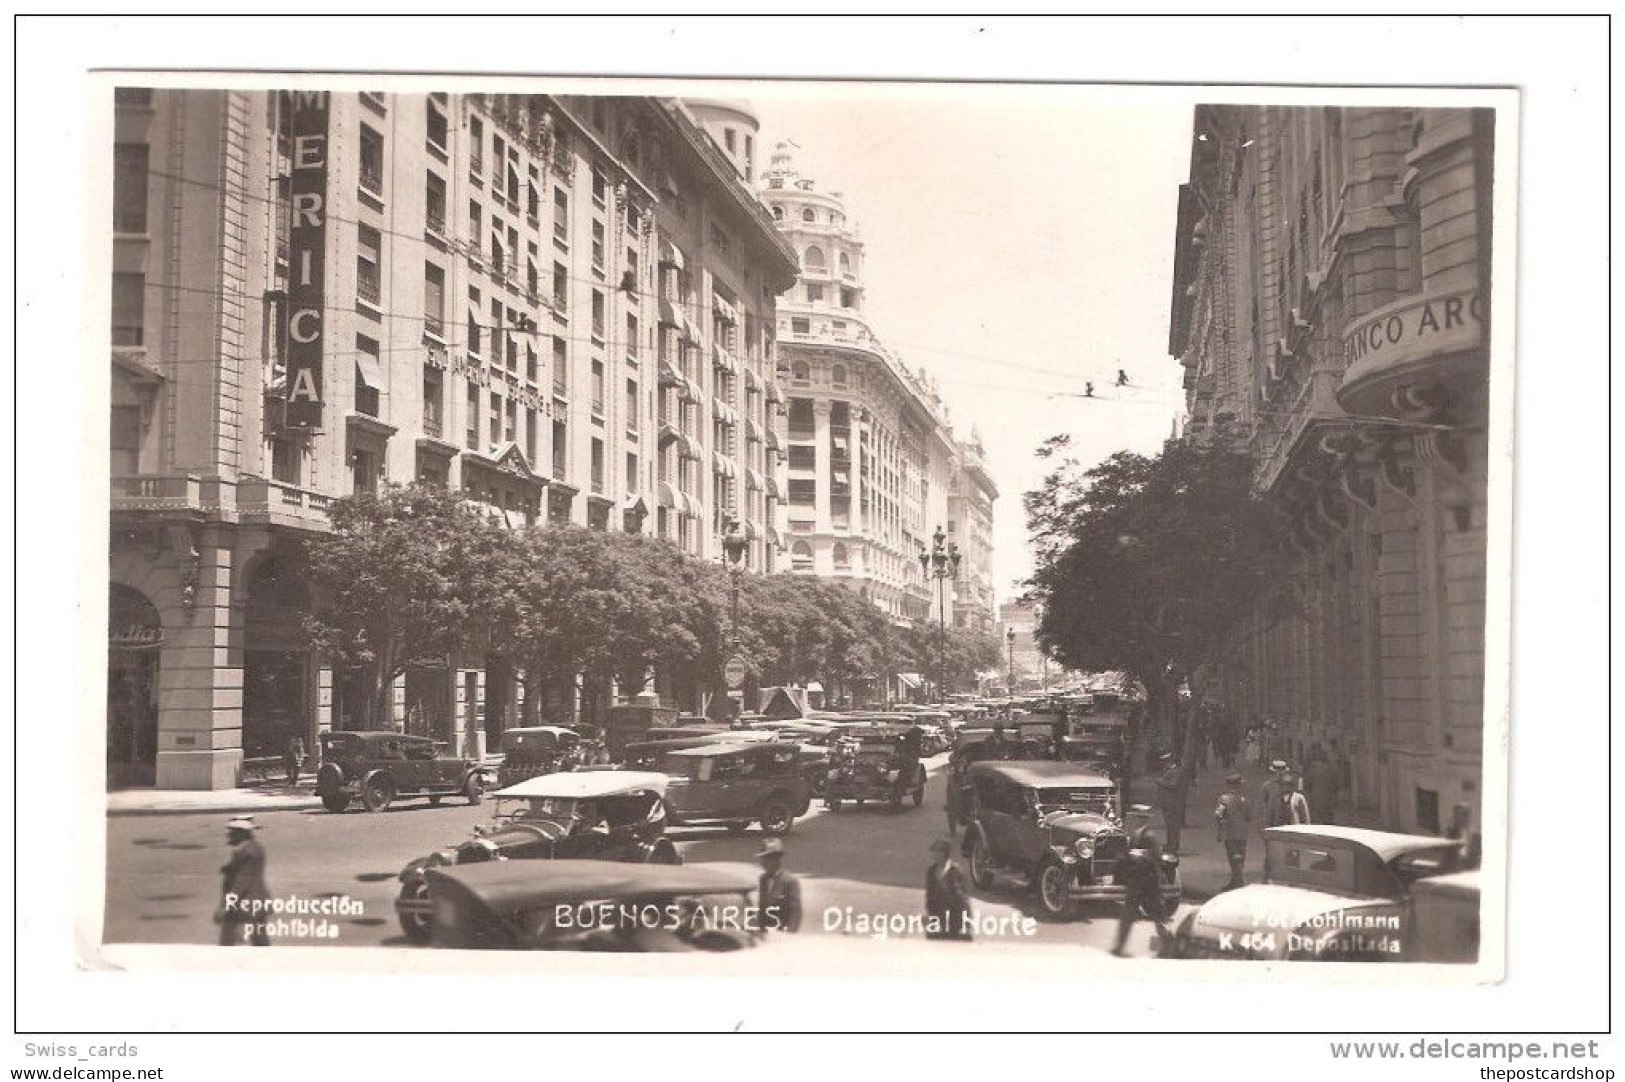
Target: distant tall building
x,y
1330,306
971,495
561,307
871,457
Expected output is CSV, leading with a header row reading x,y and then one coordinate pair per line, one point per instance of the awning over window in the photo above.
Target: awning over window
x,y
814,687
370,370
670,255
670,376
724,310
723,465
753,479
668,496
670,315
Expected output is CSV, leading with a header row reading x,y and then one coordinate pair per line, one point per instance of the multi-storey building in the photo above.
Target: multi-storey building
x,y
561,307
1330,306
870,454
971,494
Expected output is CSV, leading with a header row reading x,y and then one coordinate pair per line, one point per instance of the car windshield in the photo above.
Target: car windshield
x,y
543,807
1077,799
679,766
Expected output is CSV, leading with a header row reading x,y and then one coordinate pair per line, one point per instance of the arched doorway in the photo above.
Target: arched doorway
x,y
276,666
135,635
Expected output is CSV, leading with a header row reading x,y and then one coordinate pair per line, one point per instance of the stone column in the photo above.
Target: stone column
x,y
200,679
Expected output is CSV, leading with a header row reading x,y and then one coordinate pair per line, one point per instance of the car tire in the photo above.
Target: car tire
x,y
474,789
376,794
1050,891
415,928
981,867
777,817
335,802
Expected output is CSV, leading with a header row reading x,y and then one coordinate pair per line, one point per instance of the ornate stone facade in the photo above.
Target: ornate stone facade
x,y
1330,308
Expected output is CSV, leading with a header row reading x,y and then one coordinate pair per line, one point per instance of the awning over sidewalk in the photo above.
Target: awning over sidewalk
x,y
910,679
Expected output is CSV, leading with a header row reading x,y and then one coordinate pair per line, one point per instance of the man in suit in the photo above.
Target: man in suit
x,y
1173,786
1142,884
243,891
1234,818
778,893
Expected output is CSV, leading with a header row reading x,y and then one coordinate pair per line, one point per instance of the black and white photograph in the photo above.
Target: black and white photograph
x,y
823,528
545,520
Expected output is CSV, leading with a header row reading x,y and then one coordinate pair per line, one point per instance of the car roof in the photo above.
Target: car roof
x,y
584,785
544,882
1043,773
1385,844
728,749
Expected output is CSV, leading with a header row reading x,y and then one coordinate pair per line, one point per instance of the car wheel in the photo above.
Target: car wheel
x,y
335,802
415,925
981,866
376,794
777,817
474,789
1051,889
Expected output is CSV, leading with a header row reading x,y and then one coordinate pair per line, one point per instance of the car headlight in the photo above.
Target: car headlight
x,y
1085,848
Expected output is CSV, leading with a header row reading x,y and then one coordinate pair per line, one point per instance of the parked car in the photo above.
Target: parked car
x,y
607,815
592,906
737,784
1443,924
867,763
379,768
1332,893
649,754
540,749
1055,825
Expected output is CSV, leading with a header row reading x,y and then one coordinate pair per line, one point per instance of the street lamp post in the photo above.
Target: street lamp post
x,y
941,562
734,547
1010,660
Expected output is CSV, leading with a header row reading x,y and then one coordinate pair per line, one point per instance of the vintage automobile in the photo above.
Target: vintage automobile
x,y
382,767
540,749
737,784
593,906
1057,827
649,754
1443,923
868,763
606,815
1330,893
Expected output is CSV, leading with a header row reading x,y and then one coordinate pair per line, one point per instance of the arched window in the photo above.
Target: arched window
x,y
837,375
801,556
800,372
807,215
814,260
846,263
778,213
840,554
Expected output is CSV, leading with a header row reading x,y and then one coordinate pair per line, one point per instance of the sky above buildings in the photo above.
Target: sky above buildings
x,y
1018,244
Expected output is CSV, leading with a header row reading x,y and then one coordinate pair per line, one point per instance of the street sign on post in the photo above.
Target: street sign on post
x,y
734,672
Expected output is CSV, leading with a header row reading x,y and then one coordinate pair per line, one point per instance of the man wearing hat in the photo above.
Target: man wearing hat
x,y
1141,878
242,888
947,895
1234,818
1173,786
778,893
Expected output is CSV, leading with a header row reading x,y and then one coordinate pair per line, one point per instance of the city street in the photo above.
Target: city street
x,y
163,876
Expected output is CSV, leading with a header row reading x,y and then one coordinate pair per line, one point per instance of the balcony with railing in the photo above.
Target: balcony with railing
x,y
434,221
157,492
277,503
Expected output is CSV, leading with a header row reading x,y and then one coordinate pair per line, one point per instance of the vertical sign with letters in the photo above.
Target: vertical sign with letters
x,y
307,111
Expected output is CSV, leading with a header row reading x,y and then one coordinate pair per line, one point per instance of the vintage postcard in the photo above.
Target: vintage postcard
x,y
802,526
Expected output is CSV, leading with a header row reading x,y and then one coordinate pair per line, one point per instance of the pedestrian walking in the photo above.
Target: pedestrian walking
x,y
1233,818
1255,745
947,896
1173,787
293,759
778,893
1142,889
1273,809
1297,805
243,893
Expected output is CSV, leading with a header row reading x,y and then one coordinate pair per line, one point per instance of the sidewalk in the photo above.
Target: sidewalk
x,y
1202,863
262,797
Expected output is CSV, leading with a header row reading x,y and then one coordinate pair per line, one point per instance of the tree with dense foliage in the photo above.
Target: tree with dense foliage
x,y
403,579
1144,564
